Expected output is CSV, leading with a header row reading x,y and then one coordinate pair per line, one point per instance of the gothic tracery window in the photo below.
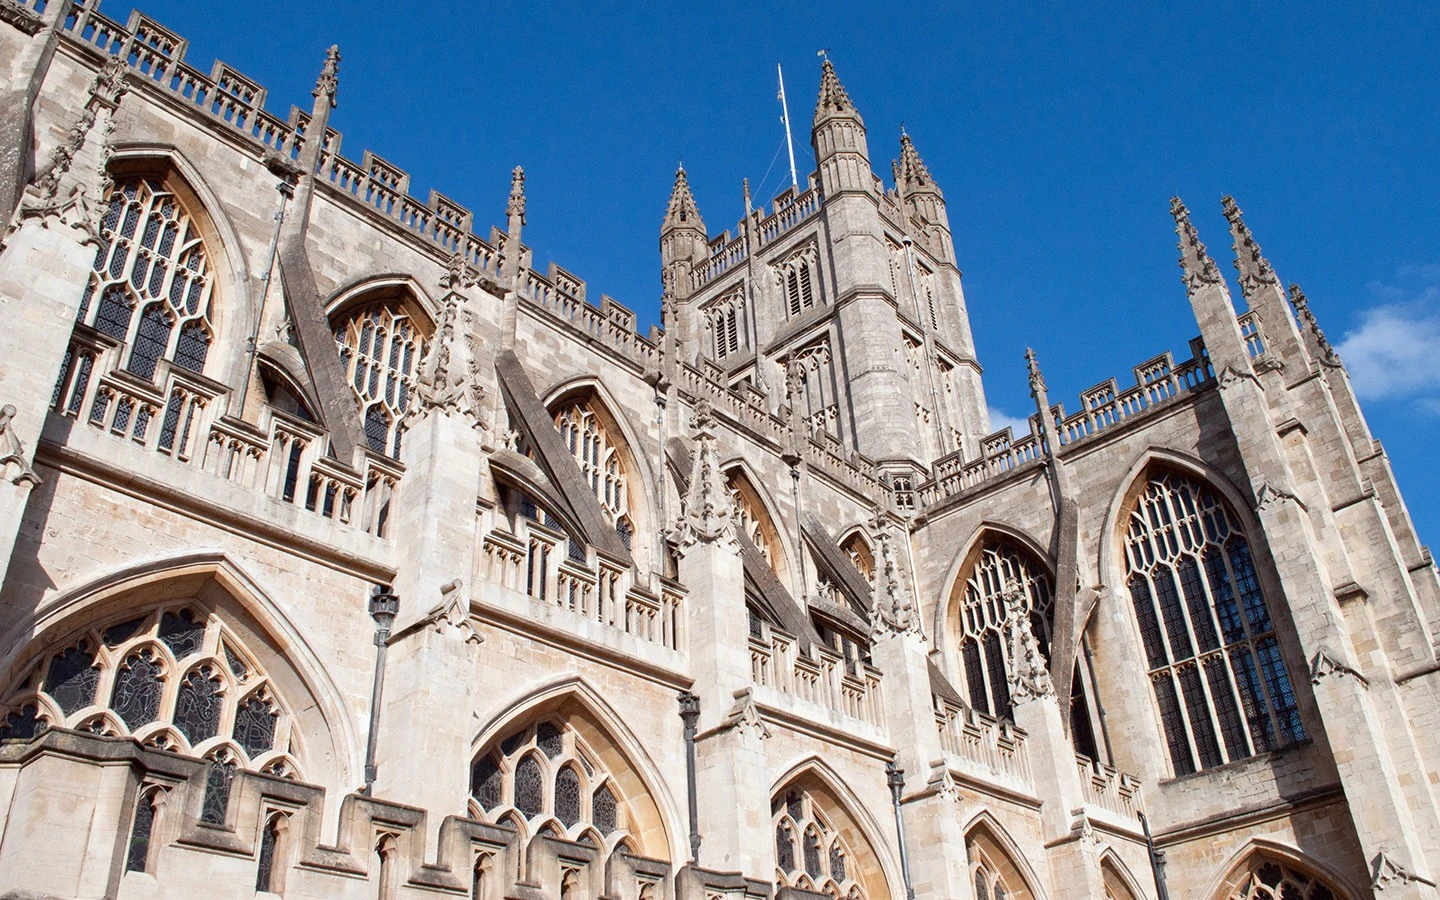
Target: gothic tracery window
x,y
550,777
380,349
151,285
1268,879
1220,682
797,278
818,392
726,323
1001,567
754,521
173,678
597,453
809,853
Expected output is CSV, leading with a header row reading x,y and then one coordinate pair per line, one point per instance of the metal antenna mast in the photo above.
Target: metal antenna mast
x,y
785,114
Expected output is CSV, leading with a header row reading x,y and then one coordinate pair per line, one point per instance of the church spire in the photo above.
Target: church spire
x,y
911,171
833,102
1197,266
1254,268
682,211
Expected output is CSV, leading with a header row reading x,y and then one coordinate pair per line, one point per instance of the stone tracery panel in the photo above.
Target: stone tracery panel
x,y
380,348
1264,878
174,678
1219,680
598,451
1000,566
812,852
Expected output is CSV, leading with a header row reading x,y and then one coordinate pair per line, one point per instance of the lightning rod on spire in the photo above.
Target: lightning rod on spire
x,y
785,114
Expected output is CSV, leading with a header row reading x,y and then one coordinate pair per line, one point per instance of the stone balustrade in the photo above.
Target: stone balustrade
x,y
1109,788
986,749
824,679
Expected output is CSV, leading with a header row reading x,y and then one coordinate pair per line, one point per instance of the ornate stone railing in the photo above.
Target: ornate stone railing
x,y
175,417
1109,788
722,260
825,679
1105,405
789,212
983,747
533,561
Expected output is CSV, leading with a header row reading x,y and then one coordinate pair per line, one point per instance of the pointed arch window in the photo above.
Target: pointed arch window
x,y
172,677
726,320
809,852
152,259
1269,879
1220,683
547,773
796,276
380,348
754,521
597,452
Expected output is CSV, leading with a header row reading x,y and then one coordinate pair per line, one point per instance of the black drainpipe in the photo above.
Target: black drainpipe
x,y
1157,859
384,606
895,777
690,715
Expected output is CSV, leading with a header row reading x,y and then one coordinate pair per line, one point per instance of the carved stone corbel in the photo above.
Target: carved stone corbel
x,y
745,716
453,611
1326,662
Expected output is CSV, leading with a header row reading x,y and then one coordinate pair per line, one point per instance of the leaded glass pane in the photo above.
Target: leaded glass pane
x,y
567,796
136,697
72,678
197,706
512,743
837,862
603,810
181,632
982,885
812,854
255,721
113,317
138,852
784,849
486,781
151,338
549,740
22,724
529,787
192,347
269,843
379,349
218,777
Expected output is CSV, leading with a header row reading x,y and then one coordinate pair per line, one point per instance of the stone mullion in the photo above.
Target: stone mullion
x,y
1252,642
1171,670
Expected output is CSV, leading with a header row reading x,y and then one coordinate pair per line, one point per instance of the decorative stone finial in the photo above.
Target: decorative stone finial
x,y
1198,268
1029,674
450,375
1037,380
833,99
893,610
707,514
13,451
329,81
516,205
1254,269
1319,343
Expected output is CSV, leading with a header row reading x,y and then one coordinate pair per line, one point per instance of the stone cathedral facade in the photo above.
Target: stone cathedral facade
x,y
349,552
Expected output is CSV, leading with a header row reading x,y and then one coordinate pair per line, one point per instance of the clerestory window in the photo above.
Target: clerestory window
x,y
380,348
1220,683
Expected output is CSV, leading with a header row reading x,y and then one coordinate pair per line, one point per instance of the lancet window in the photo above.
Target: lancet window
x,y
598,455
754,521
797,277
809,853
1267,879
550,778
812,376
151,286
726,320
380,348
992,871
1219,679
174,678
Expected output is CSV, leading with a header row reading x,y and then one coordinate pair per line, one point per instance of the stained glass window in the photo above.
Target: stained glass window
x,y
136,697
269,844
567,796
255,721
784,848
381,348
486,782
22,724
1001,567
603,810
197,706
596,452
162,266
137,853
181,632
549,740
218,777
820,862
812,853
1267,879
72,678
1221,686
529,787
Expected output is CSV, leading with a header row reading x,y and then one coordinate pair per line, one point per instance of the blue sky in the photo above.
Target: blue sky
x,y
1058,133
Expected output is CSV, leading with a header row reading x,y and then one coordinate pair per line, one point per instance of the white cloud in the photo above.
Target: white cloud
x,y
998,420
1395,352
